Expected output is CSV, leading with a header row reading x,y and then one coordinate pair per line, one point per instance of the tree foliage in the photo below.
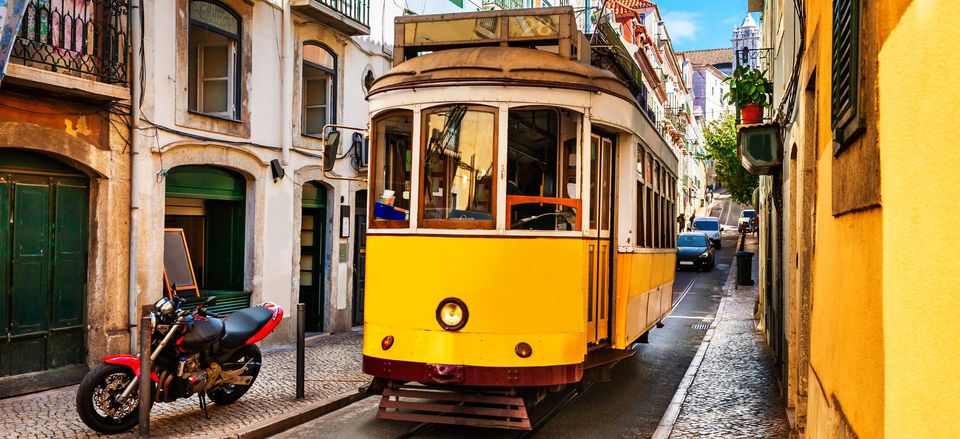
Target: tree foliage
x,y
721,136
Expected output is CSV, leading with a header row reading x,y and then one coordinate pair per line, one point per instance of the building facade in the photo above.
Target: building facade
x,y
853,273
235,98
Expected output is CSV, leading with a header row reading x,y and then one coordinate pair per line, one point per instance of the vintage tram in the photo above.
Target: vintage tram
x,y
522,209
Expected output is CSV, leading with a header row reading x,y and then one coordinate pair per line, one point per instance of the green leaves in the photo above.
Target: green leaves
x,y
721,136
747,86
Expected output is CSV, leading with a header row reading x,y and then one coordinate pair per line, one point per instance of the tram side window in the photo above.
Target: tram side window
x,y
459,162
641,189
392,164
541,169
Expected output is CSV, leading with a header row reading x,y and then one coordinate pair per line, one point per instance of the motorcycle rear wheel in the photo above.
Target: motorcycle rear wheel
x,y
96,400
230,393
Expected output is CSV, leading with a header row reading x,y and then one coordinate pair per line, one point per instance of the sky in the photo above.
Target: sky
x,y
702,24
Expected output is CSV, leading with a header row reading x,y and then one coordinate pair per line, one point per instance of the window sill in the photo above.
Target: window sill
x,y
214,116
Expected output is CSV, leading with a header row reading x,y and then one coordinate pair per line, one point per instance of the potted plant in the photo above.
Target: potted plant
x,y
748,91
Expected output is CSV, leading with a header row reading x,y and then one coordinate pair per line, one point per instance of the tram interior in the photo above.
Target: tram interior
x,y
541,169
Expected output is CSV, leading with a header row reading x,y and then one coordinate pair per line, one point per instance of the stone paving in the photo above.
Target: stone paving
x,y
333,368
734,393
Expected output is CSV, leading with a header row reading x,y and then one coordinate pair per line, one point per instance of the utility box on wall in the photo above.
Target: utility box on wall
x,y
760,148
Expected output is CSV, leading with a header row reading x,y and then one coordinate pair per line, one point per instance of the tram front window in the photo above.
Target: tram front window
x,y
391,178
458,167
541,172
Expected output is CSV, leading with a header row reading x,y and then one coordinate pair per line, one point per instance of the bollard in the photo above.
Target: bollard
x,y
301,335
146,329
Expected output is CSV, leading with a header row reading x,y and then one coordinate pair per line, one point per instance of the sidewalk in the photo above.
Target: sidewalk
x,y
734,390
333,369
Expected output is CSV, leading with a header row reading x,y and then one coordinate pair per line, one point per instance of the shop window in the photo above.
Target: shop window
x,y
213,63
541,170
459,162
208,204
318,88
392,166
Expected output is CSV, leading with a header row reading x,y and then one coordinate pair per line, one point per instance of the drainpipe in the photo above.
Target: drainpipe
x,y
133,293
286,84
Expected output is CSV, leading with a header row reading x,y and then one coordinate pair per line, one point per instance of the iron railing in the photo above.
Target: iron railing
x,y
758,59
356,10
88,37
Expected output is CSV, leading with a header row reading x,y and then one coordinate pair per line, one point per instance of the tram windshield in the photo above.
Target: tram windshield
x,y
458,167
541,169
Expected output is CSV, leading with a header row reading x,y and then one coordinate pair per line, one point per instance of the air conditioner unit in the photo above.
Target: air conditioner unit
x,y
760,148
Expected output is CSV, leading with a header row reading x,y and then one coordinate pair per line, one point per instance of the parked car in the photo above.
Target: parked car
x,y
710,225
746,220
694,250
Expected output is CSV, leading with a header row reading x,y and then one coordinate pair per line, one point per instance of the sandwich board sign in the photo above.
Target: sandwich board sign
x,y
177,267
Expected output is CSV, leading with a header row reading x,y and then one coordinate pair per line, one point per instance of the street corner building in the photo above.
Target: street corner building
x,y
234,98
857,277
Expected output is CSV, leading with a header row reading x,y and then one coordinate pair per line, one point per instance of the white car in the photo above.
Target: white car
x,y
709,225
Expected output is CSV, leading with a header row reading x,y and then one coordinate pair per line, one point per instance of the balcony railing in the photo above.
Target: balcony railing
x,y
86,37
352,17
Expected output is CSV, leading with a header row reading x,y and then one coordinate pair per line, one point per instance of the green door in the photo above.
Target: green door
x,y
312,242
43,275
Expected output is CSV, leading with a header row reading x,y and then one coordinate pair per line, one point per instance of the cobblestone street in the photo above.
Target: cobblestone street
x,y
734,393
333,368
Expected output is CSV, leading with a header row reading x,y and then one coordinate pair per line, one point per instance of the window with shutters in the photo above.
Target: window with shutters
x,y
846,119
318,88
214,36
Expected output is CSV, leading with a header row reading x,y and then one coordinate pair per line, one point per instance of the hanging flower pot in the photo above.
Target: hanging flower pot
x,y
751,114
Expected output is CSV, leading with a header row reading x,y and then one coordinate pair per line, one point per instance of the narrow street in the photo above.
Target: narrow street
x,y
630,405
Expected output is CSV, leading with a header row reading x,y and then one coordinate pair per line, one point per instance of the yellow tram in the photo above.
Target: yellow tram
x,y
521,216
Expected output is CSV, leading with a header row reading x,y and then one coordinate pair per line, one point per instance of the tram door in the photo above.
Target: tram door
x,y
598,251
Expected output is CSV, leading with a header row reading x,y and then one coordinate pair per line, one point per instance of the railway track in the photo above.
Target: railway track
x,y
542,414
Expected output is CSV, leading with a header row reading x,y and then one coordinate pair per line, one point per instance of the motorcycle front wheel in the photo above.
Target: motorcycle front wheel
x,y
230,393
98,404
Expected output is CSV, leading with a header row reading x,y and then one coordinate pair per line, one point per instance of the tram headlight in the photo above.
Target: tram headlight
x,y
452,314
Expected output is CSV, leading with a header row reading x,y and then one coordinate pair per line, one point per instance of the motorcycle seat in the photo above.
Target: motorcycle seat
x,y
243,324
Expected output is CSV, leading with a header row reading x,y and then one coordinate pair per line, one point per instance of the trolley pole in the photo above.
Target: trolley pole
x,y
145,330
301,337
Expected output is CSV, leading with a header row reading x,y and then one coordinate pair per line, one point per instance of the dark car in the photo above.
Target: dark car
x,y
694,251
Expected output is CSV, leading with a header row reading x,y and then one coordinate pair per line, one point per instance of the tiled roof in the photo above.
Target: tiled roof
x,y
710,56
622,8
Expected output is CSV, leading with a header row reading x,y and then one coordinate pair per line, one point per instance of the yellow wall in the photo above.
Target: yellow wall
x,y
921,265
846,328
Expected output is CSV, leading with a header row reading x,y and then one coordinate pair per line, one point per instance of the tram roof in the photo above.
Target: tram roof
x,y
500,66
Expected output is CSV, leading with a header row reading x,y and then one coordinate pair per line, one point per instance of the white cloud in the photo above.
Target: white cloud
x,y
682,26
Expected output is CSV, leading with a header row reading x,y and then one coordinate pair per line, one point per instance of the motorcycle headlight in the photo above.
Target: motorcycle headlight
x,y
452,314
164,306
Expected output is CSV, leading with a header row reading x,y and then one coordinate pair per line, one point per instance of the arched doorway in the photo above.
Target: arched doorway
x,y
209,204
44,207
312,242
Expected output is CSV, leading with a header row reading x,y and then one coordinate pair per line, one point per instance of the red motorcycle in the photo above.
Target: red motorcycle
x,y
193,352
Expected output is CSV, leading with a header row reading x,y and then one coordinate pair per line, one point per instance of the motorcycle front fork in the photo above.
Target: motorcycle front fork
x,y
163,343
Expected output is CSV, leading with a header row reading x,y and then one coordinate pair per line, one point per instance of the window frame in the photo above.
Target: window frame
x,y
235,57
331,102
490,224
372,221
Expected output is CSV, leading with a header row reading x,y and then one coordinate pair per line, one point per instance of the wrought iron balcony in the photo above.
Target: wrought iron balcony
x,y
87,38
352,17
